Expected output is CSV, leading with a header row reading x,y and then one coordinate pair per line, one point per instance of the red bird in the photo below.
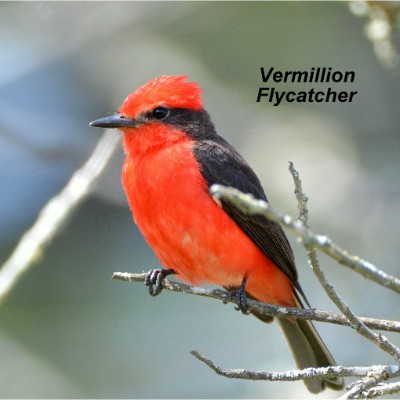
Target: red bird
x,y
173,156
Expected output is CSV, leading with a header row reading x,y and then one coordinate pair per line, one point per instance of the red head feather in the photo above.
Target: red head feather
x,y
167,91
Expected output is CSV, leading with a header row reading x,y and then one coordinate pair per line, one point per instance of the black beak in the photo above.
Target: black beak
x,y
114,121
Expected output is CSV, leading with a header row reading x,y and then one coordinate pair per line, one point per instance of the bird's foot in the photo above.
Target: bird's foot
x,y
154,280
239,294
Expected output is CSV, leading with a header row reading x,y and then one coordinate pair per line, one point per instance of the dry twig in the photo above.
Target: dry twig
x,y
377,375
300,374
54,213
356,323
372,376
263,308
248,204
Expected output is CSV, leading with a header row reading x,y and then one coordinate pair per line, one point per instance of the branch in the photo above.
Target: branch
x,y
249,205
300,374
370,386
380,391
356,323
301,197
372,376
263,308
54,213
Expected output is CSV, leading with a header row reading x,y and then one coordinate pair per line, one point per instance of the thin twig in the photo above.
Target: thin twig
x,y
373,375
54,213
263,308
373,379
248,204
389,388
301,197
356,323
299,374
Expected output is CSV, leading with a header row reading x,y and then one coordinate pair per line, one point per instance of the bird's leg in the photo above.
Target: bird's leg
x,y
155,278
239,294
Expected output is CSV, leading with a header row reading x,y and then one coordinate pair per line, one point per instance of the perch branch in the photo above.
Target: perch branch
x,y
263,308
372,376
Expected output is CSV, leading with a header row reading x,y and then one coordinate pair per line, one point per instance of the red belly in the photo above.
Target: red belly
x,y
189,232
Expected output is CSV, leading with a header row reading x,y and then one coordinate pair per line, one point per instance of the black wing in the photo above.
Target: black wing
x,y
221,163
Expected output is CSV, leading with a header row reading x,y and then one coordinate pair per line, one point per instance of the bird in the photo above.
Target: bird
x,y
173,155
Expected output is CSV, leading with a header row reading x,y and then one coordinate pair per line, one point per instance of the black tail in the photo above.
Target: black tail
x,y
308,350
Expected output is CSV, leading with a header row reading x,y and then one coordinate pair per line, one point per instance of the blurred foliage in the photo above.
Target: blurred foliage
x,y
382,29
67,330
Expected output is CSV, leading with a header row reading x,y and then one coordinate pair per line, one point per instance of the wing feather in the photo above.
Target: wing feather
x,y
221,163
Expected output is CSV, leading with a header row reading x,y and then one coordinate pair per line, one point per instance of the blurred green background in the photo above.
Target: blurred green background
x,y
68,330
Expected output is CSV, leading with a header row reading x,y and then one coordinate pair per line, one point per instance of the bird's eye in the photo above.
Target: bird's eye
x,y
160,113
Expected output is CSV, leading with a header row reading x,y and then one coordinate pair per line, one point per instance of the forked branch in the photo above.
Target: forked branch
x,y
370,385
248,204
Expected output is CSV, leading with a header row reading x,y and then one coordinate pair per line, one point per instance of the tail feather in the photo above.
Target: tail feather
x,y
308,350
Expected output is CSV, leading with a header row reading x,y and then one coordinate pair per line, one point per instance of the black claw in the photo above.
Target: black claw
x,y
239,294
154,280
